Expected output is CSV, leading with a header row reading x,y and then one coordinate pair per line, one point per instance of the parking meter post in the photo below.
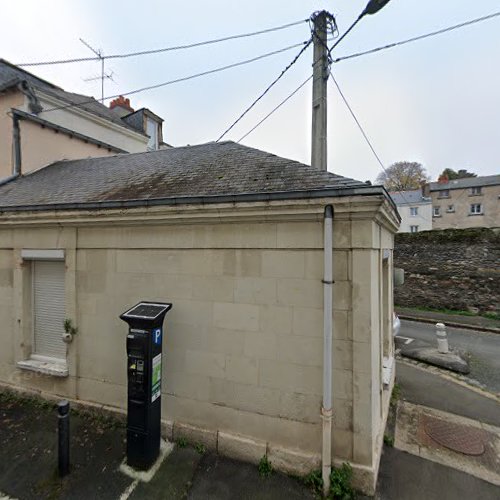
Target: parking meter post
x,y
144,375
442,339
63,437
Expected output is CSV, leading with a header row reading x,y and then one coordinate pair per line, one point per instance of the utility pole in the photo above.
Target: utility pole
x,y
319,99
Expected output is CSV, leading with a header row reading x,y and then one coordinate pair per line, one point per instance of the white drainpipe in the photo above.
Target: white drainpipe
x,y
326,410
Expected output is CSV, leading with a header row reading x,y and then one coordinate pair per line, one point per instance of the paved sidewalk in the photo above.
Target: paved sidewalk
x,y
471,322
424,387
403,476
28,467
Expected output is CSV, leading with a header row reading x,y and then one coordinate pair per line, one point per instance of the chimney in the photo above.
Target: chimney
x,y
426,189
121,106
443,179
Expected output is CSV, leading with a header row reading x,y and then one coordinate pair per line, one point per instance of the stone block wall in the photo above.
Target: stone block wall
x,y
243,344
455,269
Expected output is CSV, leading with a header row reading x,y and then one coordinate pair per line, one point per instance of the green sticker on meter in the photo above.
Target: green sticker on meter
x,y
156,378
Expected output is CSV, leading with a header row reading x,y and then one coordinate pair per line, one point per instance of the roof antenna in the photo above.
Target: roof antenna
x,y
104,76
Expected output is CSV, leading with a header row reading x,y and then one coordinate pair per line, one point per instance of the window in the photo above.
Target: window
x,y
152,131
413,211
436,211
413,229
476,209
450,209
48,309
445,193
475,191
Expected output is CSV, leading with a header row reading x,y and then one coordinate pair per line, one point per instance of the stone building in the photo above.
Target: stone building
x,y
464,203
234,238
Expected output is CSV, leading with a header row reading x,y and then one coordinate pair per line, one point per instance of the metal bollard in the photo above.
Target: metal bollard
x,y
63,436
442,339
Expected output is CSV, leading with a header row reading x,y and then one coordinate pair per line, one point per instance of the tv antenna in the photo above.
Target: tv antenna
x,y
104,75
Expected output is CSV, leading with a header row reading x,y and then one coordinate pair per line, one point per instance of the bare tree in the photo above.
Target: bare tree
x,y
402,176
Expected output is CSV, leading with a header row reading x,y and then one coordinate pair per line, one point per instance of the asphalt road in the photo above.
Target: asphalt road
x,y
483,348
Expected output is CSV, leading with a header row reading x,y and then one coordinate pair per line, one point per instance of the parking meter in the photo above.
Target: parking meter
x,y
144,350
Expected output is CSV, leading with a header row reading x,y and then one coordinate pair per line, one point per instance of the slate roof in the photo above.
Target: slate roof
x,y
193,174
468,182
10,74
410,197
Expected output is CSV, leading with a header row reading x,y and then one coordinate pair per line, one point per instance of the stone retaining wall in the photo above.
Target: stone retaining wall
x,y
450,269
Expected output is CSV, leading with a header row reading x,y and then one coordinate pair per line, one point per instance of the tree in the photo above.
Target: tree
x,y
460,174
402,176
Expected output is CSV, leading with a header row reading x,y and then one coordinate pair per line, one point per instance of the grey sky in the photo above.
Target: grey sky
x,y
436,101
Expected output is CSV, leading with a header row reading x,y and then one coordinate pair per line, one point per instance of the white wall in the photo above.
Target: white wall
x,y
423,219
92,126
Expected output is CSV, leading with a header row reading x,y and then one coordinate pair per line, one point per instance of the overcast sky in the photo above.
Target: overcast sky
x,y
435,101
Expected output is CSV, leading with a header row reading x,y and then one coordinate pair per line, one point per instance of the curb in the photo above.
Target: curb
x,y
454,324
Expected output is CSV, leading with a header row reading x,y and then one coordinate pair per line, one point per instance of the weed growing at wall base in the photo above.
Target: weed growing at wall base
x,y
265,467
340,483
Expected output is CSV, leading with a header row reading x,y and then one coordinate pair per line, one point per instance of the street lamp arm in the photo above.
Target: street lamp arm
x,y
372,7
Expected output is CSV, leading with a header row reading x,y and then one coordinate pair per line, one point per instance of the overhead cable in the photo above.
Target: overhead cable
x,y
165,49
268,88
182,79
275,109
417,38
365,136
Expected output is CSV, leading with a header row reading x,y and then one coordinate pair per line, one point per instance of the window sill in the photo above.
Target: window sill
x,y
54,368
474,215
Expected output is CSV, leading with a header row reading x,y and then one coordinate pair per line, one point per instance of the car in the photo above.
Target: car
x,y
396,324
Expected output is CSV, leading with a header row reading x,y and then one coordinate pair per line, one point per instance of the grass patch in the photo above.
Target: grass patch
x,y
182,442
314,481
395,394
265,467
455,312
340,483
200,448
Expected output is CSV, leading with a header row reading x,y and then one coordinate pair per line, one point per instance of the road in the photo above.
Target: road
x,y
483,347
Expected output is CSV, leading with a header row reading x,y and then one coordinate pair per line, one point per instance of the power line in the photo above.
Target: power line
x,y
275,109
357,122
182,79
269,87
166,49
363,131
417,38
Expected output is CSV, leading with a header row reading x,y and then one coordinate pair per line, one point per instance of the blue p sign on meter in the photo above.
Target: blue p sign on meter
x,y
157,336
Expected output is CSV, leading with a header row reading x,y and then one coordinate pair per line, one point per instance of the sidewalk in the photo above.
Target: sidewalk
x,y
456,320
28,462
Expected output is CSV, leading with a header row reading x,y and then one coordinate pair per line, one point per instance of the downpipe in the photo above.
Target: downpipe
x,y
327,410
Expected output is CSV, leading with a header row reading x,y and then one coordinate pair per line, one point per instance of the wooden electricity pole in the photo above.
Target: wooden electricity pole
x,y
319,99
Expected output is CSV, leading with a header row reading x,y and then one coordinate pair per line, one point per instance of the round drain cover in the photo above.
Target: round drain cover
x,y
456,437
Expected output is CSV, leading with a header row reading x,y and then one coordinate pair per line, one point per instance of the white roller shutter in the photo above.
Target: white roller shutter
x,y
49,308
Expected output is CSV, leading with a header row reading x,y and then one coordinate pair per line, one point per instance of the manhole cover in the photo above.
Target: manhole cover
x,y
456,437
